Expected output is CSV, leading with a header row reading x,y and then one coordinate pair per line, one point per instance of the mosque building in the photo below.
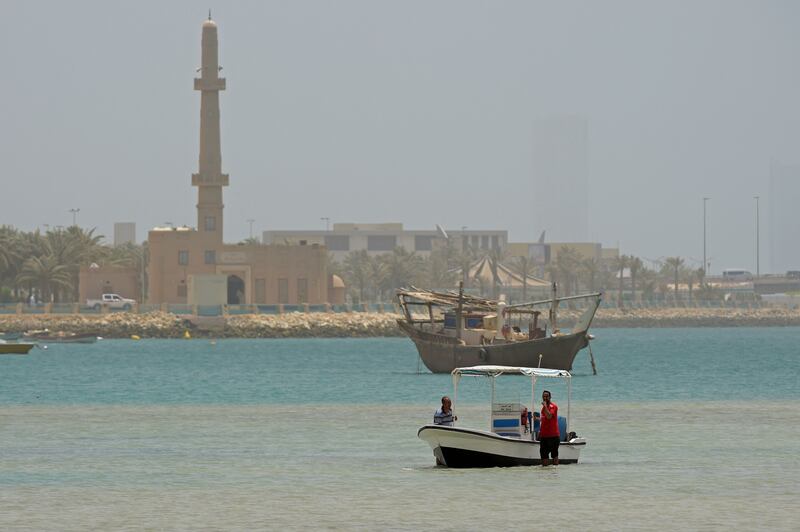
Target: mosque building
x,y
194,265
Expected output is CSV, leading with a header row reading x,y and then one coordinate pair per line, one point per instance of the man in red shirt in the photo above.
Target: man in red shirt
x,y
549,436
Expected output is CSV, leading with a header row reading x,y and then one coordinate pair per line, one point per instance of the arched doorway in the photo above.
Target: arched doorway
x,y
235,290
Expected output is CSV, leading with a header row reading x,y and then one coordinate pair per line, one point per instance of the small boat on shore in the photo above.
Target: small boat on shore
x,y
460,330
46,337
512,438
15,348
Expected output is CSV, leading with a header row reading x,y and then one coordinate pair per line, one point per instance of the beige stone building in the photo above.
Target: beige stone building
x,y
194,266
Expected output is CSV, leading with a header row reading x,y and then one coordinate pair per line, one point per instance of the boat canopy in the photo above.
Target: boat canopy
x,y
494,371
420,296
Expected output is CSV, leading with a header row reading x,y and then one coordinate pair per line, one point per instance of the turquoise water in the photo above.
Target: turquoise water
x,y
687,428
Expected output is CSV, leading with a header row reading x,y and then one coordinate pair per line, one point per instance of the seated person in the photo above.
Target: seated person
x,y
444,416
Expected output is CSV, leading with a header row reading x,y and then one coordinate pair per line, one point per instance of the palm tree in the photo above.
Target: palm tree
x,y
439,266
635,265
674,264
567,264
358,271
590,267
400,268
523,265
47,274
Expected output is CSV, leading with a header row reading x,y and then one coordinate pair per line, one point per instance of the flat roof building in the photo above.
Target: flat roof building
x,y
382,238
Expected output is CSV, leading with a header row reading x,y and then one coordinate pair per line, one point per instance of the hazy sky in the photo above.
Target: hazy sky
x,y
418,112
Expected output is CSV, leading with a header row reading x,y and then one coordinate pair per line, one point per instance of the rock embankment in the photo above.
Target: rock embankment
x,y
357,324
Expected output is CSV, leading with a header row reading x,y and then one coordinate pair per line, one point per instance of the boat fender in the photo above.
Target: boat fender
x,y
524,418
483,354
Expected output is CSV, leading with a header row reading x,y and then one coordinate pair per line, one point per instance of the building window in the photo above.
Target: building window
x,y
302,290
381,242
283,291
183,257
423,242
261,291
210,256
337,242
484,241
475,239
182,289
495,242
211,223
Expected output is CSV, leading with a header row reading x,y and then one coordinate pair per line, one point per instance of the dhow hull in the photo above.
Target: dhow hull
x,y
442,354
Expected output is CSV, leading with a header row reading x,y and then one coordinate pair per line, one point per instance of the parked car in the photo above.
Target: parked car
x,y
111,301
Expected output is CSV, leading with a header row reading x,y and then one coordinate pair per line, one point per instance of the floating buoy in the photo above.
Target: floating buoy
x,y
135,337
186,335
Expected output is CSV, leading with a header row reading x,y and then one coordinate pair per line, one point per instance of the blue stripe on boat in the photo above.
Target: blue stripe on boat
x,y
506,423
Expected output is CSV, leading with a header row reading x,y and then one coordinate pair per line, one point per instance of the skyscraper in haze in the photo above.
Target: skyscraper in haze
x,y
784,221
124,233
560,173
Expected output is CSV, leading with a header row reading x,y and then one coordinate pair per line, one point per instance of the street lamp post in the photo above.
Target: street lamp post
x,y
758,255
74,215
250,221
705,265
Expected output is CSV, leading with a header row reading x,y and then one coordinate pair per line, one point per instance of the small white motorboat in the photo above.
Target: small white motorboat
x,y
512,436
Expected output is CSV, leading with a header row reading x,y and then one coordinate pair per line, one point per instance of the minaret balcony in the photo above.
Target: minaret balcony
x,y
209,84
219,180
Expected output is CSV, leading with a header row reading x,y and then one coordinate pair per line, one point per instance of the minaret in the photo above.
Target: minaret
x,y
209,179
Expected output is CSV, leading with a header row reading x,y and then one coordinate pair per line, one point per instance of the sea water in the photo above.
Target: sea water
x,y
686,428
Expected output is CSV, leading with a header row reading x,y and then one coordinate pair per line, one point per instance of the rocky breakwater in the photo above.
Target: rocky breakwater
x,y
314,325
115,325
697,317
358,324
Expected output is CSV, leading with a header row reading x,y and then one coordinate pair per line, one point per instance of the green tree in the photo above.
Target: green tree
x,y
635,265
674,265
357,271
400,268
524,266
567,266
590,268
47,274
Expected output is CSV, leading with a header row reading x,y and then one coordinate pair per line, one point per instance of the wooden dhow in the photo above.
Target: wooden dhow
x,y
459,330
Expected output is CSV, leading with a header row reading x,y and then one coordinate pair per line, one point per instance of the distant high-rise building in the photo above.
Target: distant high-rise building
x,y
124,233
784,223
560,173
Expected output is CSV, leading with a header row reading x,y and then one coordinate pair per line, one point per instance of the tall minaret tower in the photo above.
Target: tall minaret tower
x,y
209,179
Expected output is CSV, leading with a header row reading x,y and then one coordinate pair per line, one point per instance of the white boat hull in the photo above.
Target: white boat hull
x,y
462,447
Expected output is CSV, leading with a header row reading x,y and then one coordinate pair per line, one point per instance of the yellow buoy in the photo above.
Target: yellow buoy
x,y
135,337
186,335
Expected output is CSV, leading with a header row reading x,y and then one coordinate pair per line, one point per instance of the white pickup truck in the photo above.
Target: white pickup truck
x,y
111,301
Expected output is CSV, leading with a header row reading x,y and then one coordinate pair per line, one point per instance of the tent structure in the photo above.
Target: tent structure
x,y
481,271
